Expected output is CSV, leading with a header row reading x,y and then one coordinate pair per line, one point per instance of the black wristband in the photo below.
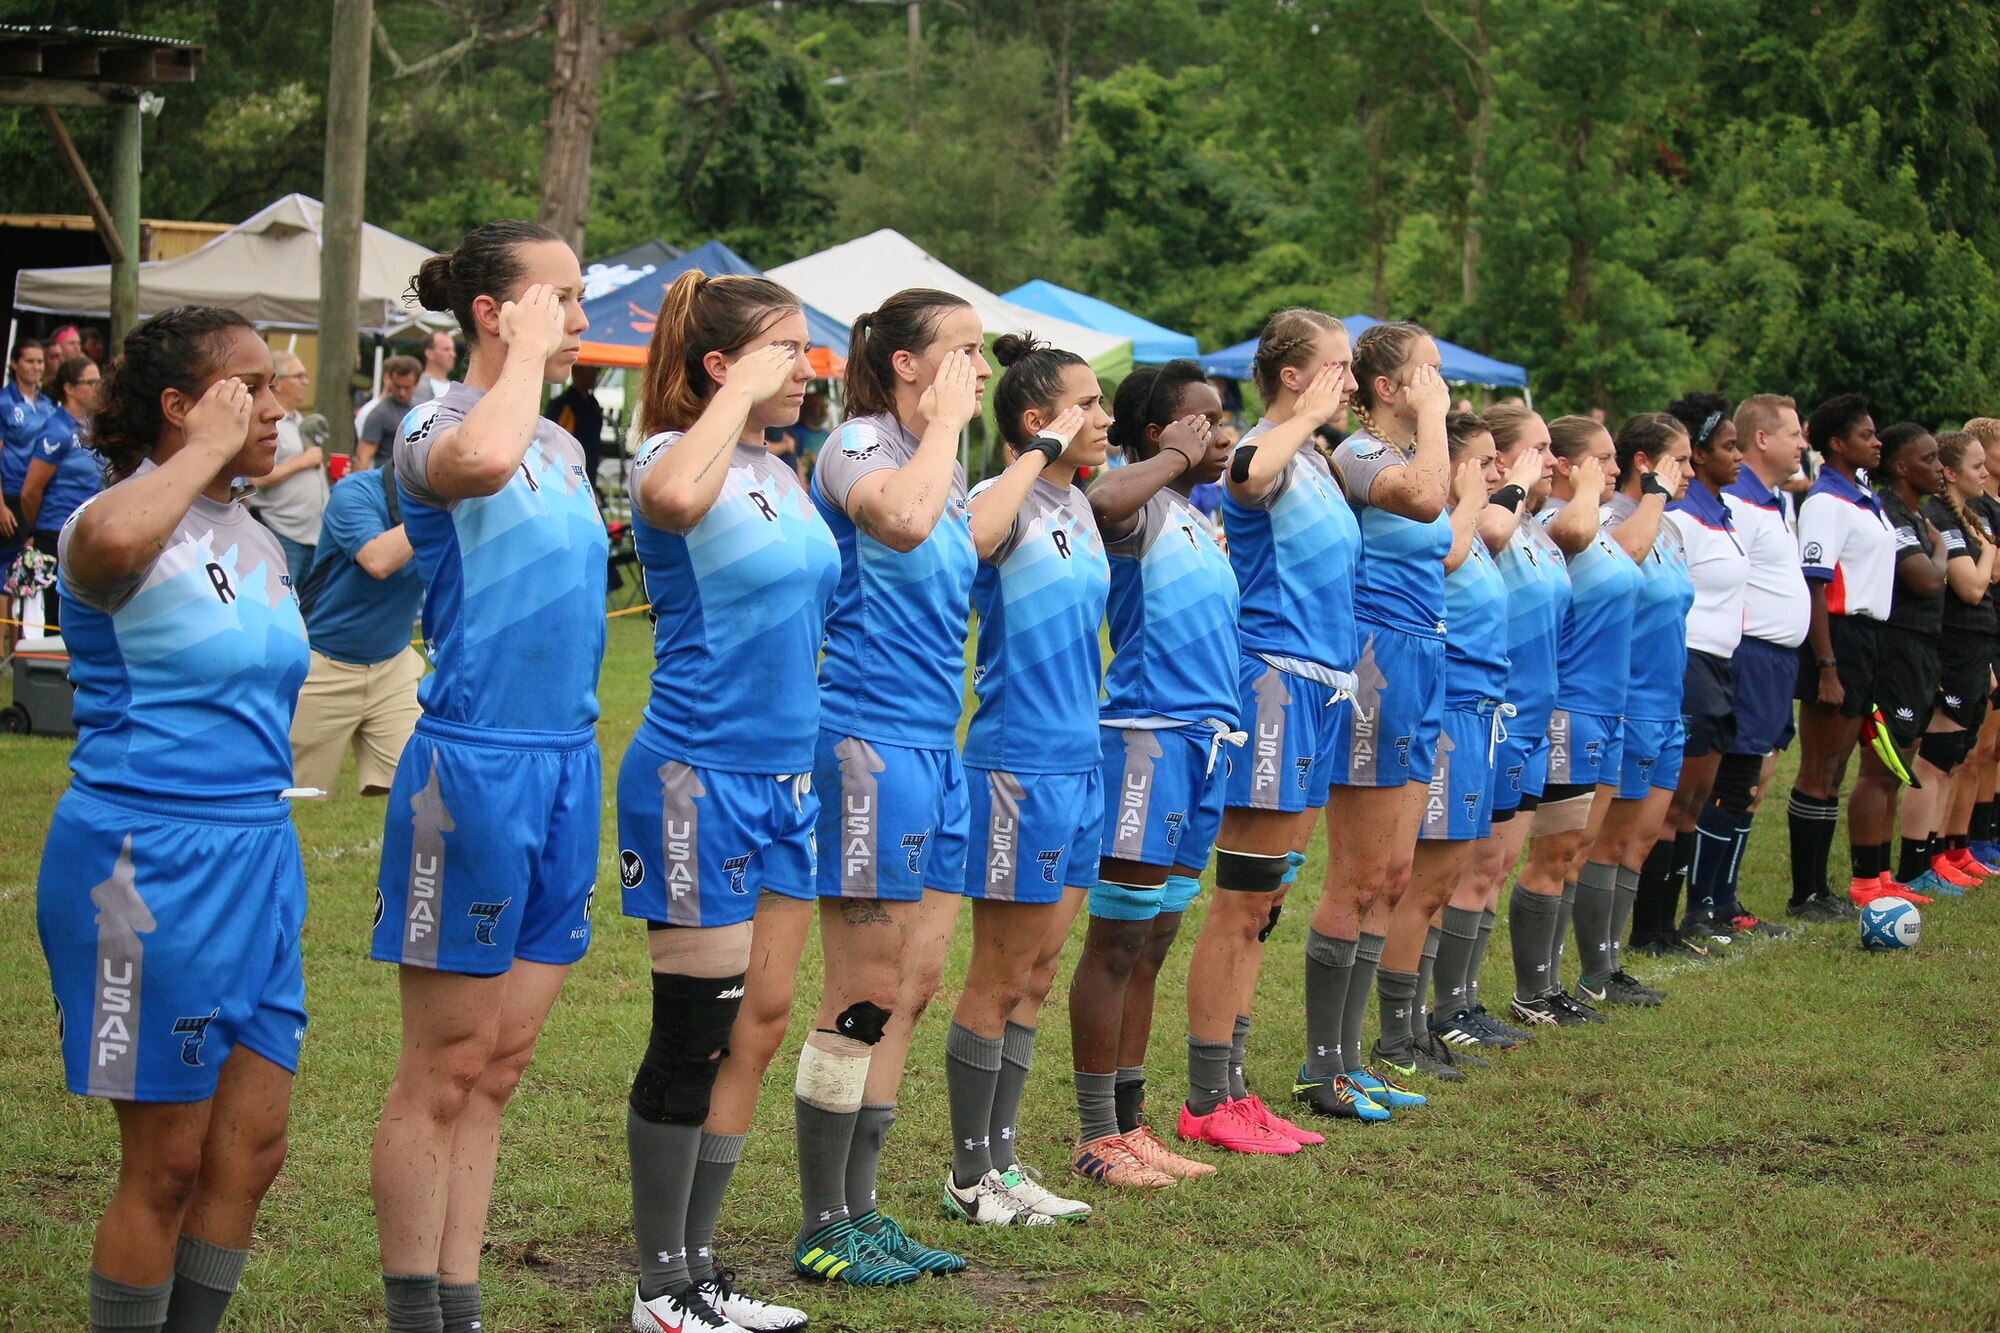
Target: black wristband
x,y
1509,498
1044,444
1650,484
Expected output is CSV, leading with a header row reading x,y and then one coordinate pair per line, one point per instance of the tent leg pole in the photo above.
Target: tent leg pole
x,y
376,389
125,123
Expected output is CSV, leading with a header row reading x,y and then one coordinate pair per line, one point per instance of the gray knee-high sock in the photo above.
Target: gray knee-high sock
x,y
118,1305
1096,1106
1329,964
1458,940
971,1072
1017,1051
1532,921
714,1162
1420,1012
826,1103
864,1159
1621,914
1564,910
662,1158
411,1302
1396,993
1487,920
1239,1045
1360,985
1596,904
1208,1074
205,1277
459,1303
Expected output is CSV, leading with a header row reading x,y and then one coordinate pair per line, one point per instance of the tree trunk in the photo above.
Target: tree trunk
x,y
1378,240
344,194
1478,133
572,123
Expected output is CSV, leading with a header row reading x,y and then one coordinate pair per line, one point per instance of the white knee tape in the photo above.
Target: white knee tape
x,y
833,1073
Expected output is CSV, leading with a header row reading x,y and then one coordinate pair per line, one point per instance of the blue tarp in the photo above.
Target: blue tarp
x,y
1461,365
1151,344
624,318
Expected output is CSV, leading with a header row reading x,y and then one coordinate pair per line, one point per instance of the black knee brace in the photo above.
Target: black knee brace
x,y
1947,749
1250,874
862,1021
691,1021
1736,782
1277,910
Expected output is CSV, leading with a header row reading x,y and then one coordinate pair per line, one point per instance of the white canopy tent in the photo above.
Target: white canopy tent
x,y
266,269
855,277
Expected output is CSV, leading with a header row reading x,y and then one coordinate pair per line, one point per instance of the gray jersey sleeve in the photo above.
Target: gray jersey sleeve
x,y
1284,481
107,600
420,430
1147,526
858,448
1362,459
1015,530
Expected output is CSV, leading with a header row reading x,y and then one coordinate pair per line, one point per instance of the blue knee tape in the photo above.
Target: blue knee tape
x,y
1179,892
1293,862
1124,902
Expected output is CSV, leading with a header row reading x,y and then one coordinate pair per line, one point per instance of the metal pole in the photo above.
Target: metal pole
x,y
125,218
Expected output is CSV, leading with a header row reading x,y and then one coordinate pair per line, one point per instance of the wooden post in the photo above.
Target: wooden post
x,y
572,123
343,195
125,124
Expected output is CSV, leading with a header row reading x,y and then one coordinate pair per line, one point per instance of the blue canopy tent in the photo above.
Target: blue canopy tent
x,y
1151,344
1461,365
621,321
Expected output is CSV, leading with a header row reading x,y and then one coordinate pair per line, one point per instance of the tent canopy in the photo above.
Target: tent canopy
x,y
266,269
627,266
1151,344
1461,365
622,320
858,275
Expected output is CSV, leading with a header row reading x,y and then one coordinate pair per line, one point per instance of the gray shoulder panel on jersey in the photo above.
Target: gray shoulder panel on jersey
x,y
858,447
1363,458
1147,525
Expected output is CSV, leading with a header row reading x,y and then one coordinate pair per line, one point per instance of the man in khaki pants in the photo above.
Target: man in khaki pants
x,y
360,598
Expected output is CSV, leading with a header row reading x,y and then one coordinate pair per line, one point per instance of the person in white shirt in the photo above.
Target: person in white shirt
x,y
440,355
291,496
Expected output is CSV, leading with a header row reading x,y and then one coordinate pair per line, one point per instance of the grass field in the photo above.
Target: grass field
x,y
1803,1138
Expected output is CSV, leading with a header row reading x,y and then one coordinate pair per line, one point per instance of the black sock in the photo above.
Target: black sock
x,y
1648,924
1812,820
1914,860
1957,843
1984,820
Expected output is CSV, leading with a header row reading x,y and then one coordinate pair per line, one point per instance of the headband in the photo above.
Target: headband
x,y
1707,429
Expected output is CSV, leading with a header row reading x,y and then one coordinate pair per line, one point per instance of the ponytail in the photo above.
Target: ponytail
x,y
906,322
486,263
699,315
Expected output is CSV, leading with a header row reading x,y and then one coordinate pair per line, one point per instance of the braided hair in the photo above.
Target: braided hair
x,y
175,349
1953,446
1383,350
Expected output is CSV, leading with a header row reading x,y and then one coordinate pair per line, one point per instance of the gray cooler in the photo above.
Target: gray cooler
x,y
41,690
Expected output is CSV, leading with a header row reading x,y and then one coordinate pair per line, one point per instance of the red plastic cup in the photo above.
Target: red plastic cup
x,y
337,465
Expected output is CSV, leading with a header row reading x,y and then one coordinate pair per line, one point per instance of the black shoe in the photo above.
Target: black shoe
x,y
1430,1045
1612,991
1680,948
1703,927
1545,1012
1576,1006
1741,923
1490,1024
1638,992
1463,1031
1821,907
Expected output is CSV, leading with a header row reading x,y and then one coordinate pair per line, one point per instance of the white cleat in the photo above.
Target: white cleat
x,y
747,1312
988,1203
686,1313
1038,1202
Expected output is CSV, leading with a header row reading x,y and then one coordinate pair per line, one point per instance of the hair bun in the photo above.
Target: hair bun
x,y
1011,347
433,282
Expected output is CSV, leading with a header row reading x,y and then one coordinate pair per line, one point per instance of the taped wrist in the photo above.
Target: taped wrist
x,y
1650,484
691,1021
1241,873
1047,445
1510,498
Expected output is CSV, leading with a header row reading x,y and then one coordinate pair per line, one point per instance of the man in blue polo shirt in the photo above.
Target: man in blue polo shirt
x,y
364,592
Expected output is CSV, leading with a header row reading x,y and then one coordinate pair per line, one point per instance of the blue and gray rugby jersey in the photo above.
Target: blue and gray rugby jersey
x,y
1596,653
186,677
513,581
1400,582
1294,553
1659,620
1040,597
739,609
1173,610
1475,652
894,669
1537,579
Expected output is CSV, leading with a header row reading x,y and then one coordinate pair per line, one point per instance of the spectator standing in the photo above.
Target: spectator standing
x,y
440,355
24,409
290,497
376,440
93,344
577,411
363,593
64,471
66,343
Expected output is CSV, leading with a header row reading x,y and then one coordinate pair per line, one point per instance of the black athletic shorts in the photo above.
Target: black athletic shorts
x,y
1526,807
1963,663
1856,652
1708,704
1906,682
1556,792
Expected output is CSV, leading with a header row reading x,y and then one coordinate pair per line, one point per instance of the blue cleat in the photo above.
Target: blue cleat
x,y
1393,1095
1339,1097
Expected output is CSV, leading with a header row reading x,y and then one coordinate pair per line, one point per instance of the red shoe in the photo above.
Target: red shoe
x,y
1884,887
1966,863
1233,1125
1277,1124
1942,867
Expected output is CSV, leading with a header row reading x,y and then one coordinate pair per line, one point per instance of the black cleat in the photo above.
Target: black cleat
x,y
1576,1006
1634,991
1821,907
1543,1011
1429,1045
1463,1031
1493,1025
